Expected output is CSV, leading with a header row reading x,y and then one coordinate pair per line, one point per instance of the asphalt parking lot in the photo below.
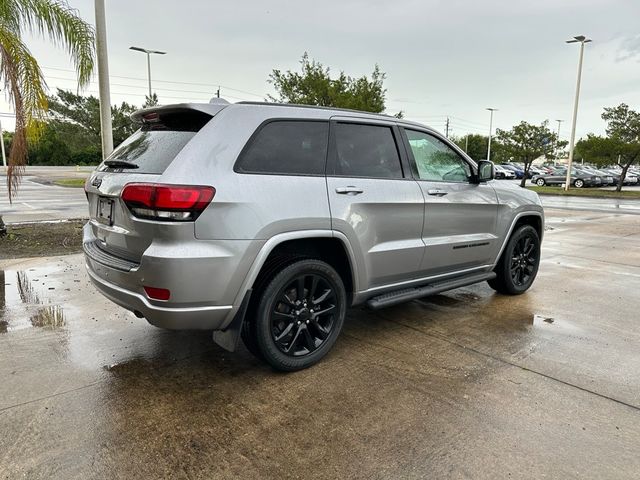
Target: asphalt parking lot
x,y
468,384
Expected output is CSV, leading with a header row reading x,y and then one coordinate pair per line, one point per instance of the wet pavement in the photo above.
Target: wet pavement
x,y
36,202
609,205
468,384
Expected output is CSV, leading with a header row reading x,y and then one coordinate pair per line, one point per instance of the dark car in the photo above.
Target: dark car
x,y
606,178
579,178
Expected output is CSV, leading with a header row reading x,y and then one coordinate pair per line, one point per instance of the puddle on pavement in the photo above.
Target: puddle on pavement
x,y
28,299
51,317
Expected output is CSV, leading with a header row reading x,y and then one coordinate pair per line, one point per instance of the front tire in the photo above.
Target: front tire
x,y
540,182
299,315
518,266
578,183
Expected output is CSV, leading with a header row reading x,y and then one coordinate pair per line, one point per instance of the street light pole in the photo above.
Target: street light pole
x,y
149,72
148,52
490,132
103,80
582,40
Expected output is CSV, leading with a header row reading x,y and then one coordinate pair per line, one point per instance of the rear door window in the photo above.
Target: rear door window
x,y
287,147
364,150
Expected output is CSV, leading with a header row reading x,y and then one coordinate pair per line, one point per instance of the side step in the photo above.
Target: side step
x,y
404,295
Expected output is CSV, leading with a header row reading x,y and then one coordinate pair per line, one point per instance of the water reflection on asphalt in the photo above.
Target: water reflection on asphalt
x,y
28,299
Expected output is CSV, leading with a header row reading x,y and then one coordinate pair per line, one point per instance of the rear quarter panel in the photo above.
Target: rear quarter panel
x,y
248,206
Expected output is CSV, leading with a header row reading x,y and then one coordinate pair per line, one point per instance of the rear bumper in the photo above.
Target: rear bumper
x,y
205,278
173,318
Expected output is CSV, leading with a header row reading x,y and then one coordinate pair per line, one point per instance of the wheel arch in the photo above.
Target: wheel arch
x,y
327,245
533,218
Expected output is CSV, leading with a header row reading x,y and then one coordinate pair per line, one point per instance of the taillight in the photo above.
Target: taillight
x,y
174,203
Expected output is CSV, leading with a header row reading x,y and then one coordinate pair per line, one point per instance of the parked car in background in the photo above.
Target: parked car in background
x,y
519,173
579,178
536,171
606,178
631,178
504,173
266,222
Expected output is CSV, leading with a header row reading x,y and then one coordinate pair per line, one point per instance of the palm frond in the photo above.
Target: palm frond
x,y
62,24
25,86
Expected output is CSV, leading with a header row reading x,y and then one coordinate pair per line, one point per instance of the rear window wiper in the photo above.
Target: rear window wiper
x,y
119,164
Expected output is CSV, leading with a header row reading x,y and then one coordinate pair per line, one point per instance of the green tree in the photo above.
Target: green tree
x,y
526,142
68,109
606,151
19,71
313,85
71,135
474,144
623,139
151,101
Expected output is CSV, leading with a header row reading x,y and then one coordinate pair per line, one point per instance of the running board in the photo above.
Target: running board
x,y
404,295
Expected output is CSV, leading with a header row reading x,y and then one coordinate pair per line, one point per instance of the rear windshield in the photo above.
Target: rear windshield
x,y
152,148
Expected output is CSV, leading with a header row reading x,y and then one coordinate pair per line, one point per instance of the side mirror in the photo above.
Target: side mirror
x,y
485,171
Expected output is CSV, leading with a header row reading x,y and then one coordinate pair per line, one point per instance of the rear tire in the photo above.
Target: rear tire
x,y
540,182
578,183
298,315
518,266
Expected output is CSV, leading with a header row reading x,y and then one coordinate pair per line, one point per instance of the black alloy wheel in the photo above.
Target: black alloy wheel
x,y
298,315
518,266
523,261
303,314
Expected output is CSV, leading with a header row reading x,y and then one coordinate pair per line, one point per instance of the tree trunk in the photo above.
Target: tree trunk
x,y
2,294
3,228
623,175
527,166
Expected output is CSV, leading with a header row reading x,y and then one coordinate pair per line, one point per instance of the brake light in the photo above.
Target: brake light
x,y
174,203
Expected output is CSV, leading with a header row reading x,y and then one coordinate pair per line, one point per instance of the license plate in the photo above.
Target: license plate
x,y
105,211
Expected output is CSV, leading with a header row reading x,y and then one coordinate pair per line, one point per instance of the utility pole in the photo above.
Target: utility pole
x,y
103,80
446,128
218,92
490,132
582,40
4,156
558,141
466,144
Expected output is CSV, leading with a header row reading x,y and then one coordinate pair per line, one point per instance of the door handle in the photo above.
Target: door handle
x,y
437,192
349,190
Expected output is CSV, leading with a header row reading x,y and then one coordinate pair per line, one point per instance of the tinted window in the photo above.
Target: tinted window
x,y
436,160
366,151
151,151
289,147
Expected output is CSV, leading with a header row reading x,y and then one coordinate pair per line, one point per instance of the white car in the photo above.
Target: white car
x,y
504,173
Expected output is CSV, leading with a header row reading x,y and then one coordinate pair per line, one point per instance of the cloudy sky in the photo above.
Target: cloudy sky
x,y
442,58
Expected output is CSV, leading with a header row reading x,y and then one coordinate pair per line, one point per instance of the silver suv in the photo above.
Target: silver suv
x,y
267,221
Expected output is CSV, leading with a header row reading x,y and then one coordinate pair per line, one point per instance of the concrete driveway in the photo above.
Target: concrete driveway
x,y
469,384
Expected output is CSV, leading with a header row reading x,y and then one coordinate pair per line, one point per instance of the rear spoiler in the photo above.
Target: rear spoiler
x,y
209,109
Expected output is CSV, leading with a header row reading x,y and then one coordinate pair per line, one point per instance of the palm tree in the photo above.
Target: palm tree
x,y
24,82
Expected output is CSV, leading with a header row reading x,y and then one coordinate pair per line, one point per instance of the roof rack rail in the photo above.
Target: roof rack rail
x,y
299,105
